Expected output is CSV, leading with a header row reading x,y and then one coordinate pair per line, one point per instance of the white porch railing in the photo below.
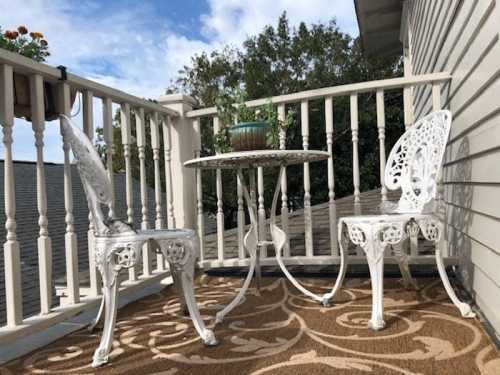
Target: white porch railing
x,y
161,121
175,129
329,95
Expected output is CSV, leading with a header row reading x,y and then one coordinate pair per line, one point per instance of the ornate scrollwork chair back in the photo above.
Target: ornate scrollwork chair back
x,y
415,162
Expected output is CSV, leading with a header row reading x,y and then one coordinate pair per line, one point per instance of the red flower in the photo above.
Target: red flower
x,y
22,30
9,34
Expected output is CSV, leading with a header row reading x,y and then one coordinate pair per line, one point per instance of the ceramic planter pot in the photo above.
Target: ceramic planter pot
x,y
22,98
248,136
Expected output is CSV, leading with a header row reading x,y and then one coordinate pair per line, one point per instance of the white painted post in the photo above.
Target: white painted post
x,y
240,218
332,209
44,241
70,238
12,261
155,145
200,223
381,140
355,156
88,128
167,125
140,127
126,141
261,211
308,225
182,149
107,115
220,212
284,185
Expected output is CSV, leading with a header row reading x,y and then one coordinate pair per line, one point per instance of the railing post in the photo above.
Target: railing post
x,y
12,258
88,128
140,128
155,145
220,211
70,239
332,209
284,184
200,223
44,241
355,156
107,115
182,149
308,224
381,140
167,125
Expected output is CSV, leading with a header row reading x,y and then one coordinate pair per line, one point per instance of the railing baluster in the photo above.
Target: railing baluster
x,y
200,223
155,145
355,157
44,241
167,125
88,128
284,184
220,212
240,219
332,209
261,211
140,127
70,238
381,140
308,225
408,106
12,257
126,141
107,115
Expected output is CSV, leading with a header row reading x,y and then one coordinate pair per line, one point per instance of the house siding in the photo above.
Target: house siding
x,y
462,38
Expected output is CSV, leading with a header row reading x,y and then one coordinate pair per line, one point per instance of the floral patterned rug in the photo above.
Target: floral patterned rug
x,y
281,332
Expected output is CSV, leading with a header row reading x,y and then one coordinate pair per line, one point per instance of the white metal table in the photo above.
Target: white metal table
x,y
254,159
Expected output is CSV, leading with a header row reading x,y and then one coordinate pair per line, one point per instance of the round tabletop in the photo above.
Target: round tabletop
x,y
258,158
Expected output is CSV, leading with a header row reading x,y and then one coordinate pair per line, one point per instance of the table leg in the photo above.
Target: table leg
x,y
250,242
280,238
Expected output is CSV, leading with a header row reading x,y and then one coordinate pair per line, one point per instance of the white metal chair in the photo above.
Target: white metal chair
x,y
117,246
414,166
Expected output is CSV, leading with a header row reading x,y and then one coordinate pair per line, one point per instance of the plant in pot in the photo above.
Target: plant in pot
x,y
247,129
34,46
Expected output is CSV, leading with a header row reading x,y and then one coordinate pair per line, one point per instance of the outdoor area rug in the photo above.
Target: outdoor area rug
x,y
281,332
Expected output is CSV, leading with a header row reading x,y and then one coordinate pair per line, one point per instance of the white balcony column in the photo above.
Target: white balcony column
x,y
107,115
44,241
126,142
308,224
182,149
70,239
200,223
381,140
140,128
167,125
220,207
284,185
332,207
155,145
12,257
355,155
88,128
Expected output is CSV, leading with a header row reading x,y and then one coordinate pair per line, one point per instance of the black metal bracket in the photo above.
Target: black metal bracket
x,y
64,73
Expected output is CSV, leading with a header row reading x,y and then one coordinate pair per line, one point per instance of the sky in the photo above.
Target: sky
x,y
139,46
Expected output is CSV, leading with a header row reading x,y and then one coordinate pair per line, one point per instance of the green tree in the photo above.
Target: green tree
x,y
282,60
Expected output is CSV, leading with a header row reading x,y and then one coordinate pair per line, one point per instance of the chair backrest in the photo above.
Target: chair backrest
x,y
415,162
93,175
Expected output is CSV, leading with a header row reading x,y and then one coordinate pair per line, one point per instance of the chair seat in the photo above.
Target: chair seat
x,y
148,234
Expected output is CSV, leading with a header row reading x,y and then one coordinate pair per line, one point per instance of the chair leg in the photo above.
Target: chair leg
x,y
463,307
375,258
97,319
180,292
109,290
181,255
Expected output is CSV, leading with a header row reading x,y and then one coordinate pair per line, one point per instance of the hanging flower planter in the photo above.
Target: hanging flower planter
x,y
22,98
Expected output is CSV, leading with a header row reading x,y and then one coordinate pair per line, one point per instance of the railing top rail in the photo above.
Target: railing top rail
x,y
353,88
25,65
